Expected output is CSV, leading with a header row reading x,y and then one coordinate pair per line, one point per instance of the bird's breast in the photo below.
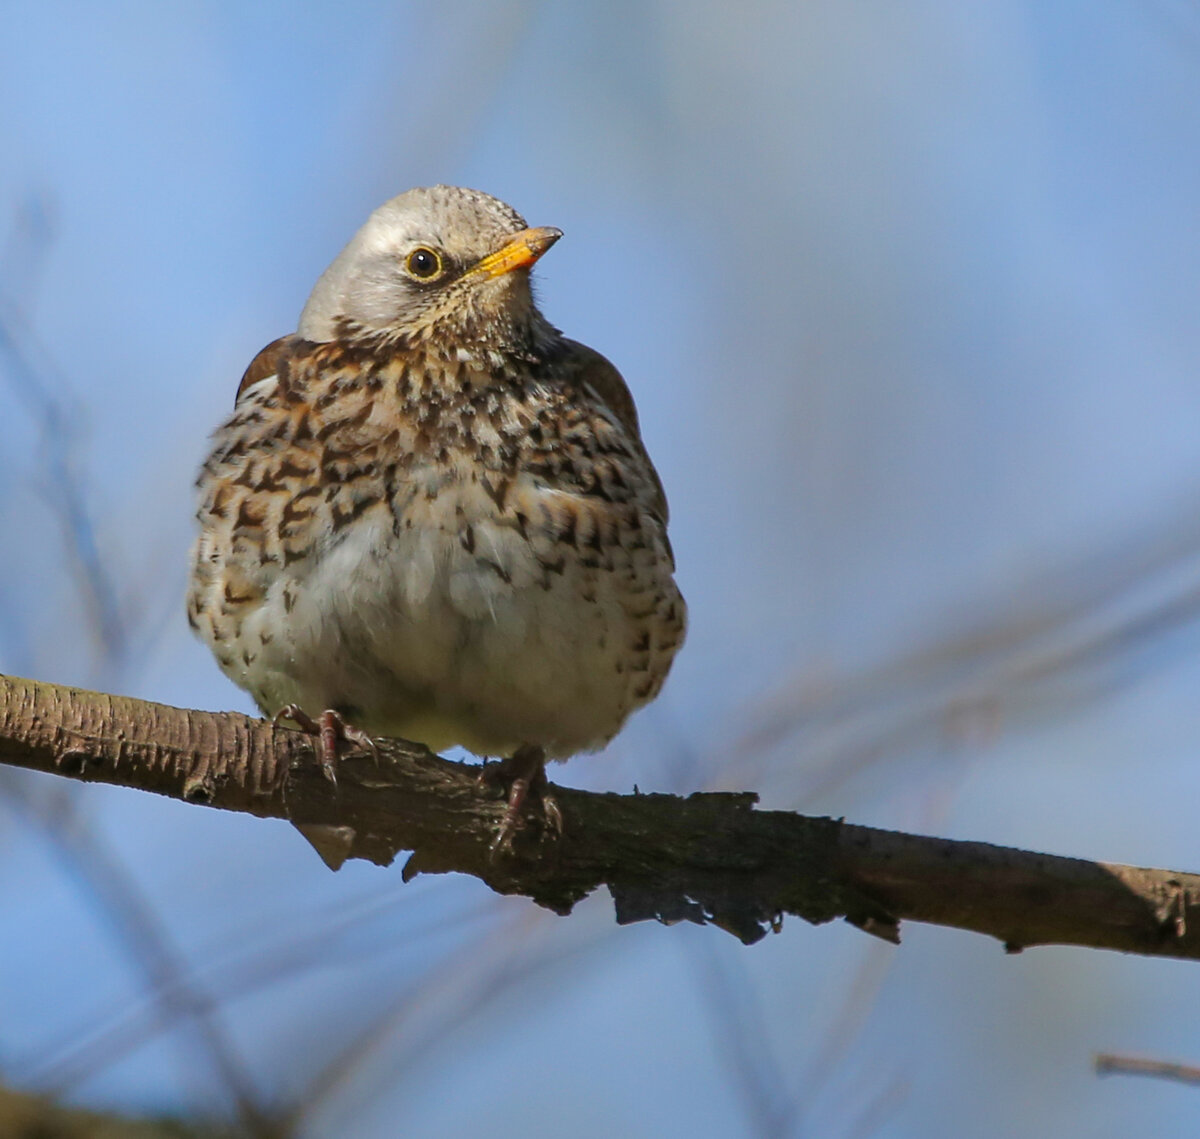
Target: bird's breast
x,y
420,551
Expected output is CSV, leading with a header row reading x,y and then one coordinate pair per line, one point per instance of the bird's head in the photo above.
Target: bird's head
x,y
434,262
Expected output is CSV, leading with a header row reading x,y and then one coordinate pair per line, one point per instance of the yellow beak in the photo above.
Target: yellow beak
x,y
522,250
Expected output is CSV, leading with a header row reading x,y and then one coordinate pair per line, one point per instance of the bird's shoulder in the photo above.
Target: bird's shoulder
x,y
597,378
592,373
264,365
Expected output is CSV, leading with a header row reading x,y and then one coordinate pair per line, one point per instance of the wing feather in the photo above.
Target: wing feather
x,y
590,370
262,367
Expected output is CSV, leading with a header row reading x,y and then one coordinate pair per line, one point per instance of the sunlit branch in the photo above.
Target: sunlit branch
x,y
707,858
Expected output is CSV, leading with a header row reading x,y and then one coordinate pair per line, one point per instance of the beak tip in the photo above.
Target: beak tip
x,y
522,250
542,238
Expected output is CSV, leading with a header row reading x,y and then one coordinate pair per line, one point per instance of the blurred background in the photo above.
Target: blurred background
x,y
906,295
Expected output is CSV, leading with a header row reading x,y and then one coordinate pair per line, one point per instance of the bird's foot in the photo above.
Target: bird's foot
x,y
328,728
523,774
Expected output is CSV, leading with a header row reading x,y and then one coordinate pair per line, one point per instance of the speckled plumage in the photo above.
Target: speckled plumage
x,y
432,512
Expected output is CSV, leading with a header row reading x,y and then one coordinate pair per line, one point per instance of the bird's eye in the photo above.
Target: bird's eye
x,y
423,263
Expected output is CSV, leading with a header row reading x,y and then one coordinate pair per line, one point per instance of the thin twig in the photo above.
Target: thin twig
x,y
741,1041
1070,637
241,973
138,924
1110,1064
36,381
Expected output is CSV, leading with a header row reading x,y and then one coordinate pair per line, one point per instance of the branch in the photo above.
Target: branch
x,y
1108,1064
33,1115
709,857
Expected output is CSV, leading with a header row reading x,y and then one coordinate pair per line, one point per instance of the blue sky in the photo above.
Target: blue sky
x,y
906,296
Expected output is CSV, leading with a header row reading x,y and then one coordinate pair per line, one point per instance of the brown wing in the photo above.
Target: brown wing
x,y
591,370
265,364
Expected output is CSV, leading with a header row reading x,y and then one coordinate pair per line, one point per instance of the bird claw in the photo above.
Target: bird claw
x,y
328,728
523,774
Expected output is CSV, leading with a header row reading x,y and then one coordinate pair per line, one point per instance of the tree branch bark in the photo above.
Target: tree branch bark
x,y
707,858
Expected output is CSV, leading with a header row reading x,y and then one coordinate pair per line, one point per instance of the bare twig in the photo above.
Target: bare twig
x,y
880,1108
1108,1064
742,1043
83,1053
467,975
137,923
1068,636
40,385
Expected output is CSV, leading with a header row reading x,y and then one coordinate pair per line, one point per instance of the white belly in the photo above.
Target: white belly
x,y
415,636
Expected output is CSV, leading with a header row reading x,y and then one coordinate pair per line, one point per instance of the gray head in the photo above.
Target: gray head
x,y
436,260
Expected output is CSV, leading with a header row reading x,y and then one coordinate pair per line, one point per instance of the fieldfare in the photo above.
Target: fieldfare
x,y
431,514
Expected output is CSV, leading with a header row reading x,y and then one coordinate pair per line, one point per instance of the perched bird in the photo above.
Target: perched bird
x,y
431,514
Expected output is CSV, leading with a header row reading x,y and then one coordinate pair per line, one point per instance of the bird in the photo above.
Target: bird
x,y
431,515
